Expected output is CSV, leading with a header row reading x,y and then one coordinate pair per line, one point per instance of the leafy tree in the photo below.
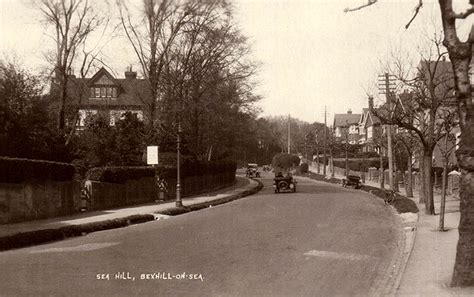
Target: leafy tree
x,y
97,142
24,118
129,140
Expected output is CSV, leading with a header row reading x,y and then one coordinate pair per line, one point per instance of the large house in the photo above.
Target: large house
x,y
370,129
346,125
103,93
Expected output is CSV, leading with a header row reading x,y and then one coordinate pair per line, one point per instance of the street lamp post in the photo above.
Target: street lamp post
x,y
179,202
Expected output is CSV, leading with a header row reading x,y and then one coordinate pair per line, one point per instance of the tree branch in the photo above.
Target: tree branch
x,y
369,2
417,10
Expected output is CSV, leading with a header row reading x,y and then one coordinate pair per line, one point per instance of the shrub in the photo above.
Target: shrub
x,y
15,170
357,165
285,161
120,174
304,168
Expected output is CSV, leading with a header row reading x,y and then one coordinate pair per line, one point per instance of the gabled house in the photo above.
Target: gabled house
x,y
347,122
103,93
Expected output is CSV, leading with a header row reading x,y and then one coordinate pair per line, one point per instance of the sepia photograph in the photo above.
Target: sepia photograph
x,y
236,148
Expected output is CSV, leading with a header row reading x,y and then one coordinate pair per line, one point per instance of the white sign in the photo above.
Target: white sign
x,y
152,155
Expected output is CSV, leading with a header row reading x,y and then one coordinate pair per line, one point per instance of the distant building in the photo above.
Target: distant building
x,y
347,123
372,129
103,93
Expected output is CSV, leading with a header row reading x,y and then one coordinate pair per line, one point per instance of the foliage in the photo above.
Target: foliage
x,y
16,170
285,161
121,174
358,164
24,118
304,168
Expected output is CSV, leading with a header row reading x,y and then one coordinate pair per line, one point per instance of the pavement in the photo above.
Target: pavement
x,y
23,234
426,260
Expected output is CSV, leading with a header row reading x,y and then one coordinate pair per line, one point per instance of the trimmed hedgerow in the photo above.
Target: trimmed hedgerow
x,y
358,164
17,170
120,174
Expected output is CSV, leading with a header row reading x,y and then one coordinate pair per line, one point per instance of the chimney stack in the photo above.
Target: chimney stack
x,y
130,74
349,111
371,103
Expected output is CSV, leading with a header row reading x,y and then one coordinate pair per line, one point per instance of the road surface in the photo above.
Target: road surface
x,y
323,240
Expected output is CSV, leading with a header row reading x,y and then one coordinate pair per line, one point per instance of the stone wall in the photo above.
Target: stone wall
x,y
32,200
144,190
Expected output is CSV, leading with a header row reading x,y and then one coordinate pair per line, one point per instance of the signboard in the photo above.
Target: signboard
x,y
152,155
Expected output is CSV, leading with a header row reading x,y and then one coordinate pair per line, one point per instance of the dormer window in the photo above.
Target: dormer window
x,y
103,92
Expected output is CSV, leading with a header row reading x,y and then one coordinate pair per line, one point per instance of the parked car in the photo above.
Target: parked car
x,y
284,183
352,180
252,170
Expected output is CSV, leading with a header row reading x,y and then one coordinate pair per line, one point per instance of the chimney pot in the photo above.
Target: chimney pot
x,y
371,103
130,74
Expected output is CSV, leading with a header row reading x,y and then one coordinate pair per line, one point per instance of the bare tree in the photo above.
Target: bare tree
x,y
427,89
449,119
152,35
460,54
72,21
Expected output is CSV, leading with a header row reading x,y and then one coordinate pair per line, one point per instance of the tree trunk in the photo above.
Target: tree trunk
x,y
409,179
331,161
443,195
428,181
317,161
421,179
347,163
381,172
62,103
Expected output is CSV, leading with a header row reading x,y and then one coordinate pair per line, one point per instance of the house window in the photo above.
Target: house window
x,y
370,132
84,114
92,92
114,92
97,92
103,92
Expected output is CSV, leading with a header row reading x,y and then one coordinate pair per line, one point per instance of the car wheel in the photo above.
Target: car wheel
x,y
283,185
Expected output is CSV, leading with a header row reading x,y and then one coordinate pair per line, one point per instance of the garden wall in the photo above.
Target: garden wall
x,y
35,189
144,190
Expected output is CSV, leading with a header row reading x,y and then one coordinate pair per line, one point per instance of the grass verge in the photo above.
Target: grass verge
x,y
401,203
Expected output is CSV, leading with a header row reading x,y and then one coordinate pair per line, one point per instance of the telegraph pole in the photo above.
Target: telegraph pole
x,y
289,135
325,141
179,202
389,85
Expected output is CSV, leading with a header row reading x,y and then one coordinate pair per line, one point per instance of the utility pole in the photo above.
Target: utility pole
x,y
179,202
388,86
325,141
289,135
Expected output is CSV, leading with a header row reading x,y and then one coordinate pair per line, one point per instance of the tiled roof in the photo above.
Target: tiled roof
x,y
344,119
131,93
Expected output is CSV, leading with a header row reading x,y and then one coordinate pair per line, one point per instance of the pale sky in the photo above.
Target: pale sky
x,y
312,54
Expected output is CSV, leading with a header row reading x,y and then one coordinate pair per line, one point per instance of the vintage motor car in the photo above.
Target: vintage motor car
x,y
252,170
352,180
284,183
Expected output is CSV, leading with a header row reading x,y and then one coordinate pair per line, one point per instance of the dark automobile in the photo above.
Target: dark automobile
x,y
284,183
252,170
352,180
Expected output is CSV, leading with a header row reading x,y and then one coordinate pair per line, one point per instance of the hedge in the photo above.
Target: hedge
x,y
356,165
17,170
120,174
285,161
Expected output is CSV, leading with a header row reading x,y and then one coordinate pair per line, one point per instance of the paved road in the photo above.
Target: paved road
x,y
321,241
